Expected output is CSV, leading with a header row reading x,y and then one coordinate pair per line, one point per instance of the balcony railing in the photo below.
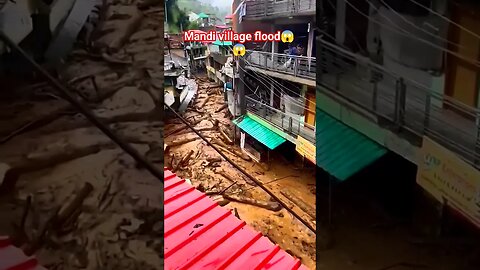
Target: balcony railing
x,y
286,123
404,103
278,8
298,66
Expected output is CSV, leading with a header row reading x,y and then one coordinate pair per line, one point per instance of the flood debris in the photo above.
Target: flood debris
x,y
299,202
272,206
217,178
91,206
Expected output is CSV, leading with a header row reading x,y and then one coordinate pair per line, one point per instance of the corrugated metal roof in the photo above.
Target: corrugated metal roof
x,y
342,151
199,234
13,258
260,132
203,15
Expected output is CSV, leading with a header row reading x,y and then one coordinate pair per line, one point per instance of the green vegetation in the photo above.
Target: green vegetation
x,y
177,18
178,10
198,7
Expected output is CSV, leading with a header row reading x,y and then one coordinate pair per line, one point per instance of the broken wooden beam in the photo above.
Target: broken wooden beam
x,y
186,131
183,127
214,159
182,142
225,137
272,206
299,202
59,218
204,102
224,106
232,150
184,160
226,176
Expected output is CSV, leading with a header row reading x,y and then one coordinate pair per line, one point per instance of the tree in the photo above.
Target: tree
x,y
193,26
176,18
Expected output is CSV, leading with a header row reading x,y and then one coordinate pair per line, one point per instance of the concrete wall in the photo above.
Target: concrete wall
x,y
405,55
433,82
407,48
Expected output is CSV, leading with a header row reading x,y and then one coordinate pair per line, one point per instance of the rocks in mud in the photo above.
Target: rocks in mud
x,y
122,21
51,161
145,34
127,100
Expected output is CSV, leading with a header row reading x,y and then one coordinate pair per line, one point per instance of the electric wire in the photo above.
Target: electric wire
x,y
446,19
460,56
292,100
277,83
236,166
274,82
413,24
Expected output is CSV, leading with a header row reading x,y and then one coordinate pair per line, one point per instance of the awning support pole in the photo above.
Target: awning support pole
x,y
330,199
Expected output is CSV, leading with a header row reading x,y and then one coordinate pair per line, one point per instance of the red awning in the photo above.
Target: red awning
x,y
12,257
199,234
229,16
197,31
222,26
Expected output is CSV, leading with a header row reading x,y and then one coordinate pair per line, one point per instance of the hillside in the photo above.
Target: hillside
x,y
198,7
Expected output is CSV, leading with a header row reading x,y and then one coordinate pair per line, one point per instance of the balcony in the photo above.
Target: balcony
x,y
292,126
398,102
260,9
219,57
300,67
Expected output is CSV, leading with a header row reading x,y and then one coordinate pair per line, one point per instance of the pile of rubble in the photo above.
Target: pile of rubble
x,y
192,158
74,196
175,41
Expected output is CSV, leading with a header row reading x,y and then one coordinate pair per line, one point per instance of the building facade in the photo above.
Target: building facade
x,y
402,76
277,88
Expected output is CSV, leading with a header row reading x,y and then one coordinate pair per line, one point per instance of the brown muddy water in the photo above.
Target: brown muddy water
x,y
280,226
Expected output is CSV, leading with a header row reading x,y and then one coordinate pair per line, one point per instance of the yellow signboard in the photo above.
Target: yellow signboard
x,y
450,179
306,149
211,69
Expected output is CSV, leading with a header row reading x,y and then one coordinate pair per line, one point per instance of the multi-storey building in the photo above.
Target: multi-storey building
x,y
402,76
275,89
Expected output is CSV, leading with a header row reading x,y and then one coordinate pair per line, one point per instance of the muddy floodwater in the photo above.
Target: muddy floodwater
x,y
212,175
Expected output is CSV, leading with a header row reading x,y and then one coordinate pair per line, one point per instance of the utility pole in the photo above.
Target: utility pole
x,y
239,85
166,12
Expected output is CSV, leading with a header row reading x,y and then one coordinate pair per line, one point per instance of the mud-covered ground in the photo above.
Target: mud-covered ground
x,y
383,220
50,152
206,170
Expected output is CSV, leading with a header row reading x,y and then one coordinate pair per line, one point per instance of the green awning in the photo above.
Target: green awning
x,y
222,43
259,132
341,150
203,15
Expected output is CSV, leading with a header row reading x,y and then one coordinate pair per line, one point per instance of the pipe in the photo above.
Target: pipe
x,y
65,94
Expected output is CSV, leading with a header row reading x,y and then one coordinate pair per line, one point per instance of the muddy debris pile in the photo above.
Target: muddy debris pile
x,y
75,198
192,158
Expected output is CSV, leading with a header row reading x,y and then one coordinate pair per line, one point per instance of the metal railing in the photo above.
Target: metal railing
x,y
278,8
298,66
286,123
403,103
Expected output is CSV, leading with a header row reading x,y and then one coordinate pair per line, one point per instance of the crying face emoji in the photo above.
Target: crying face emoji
x,y
287,36
239,50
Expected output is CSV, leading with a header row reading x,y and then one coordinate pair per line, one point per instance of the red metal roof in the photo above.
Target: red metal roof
x,y
199,234
13,258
